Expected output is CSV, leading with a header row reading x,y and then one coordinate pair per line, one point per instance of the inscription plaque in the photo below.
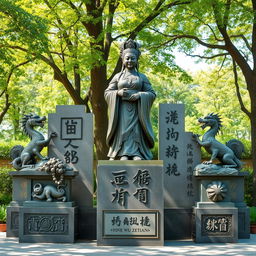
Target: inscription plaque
x,y
130,224
45,224
217,225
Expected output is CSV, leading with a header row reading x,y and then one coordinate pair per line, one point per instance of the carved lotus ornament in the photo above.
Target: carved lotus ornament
x,y
216,191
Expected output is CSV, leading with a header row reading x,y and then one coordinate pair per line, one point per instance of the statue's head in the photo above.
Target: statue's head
x,y
38,189
210,120
130,50
32,120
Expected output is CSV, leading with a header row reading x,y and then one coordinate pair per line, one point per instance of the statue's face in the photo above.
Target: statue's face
x,y
130,60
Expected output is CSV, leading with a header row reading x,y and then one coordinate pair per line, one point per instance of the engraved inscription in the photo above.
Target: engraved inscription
x,y
216,225
54,224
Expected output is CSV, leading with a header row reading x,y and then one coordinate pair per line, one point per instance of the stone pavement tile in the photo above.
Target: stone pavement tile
x,y
11,246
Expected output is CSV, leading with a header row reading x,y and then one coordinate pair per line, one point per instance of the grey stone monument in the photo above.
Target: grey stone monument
x,y
41,220
42,209
74,146
220,214
130,203
180,155
222,206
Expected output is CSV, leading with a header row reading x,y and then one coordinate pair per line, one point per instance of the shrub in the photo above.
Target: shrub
x,y
5,186
5,148
3,213
248,186
253,215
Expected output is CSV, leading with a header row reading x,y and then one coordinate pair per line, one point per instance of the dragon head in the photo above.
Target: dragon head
x,y
32,120
210,120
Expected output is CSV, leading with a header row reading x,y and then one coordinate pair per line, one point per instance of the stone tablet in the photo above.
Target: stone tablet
x,y
74,146
130,203
180,155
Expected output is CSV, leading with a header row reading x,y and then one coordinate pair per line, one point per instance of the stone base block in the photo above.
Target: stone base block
x,y
12,221
130,203
177,223
47,224
243,221
215,225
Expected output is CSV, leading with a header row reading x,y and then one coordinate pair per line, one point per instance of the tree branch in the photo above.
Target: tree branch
x,y
229,46
5,108
243,108
207,57
58,74
254,34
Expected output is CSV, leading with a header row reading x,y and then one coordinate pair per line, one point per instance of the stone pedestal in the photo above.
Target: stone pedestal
x,y
180,154
47,222
130,203
74,146
26,212
221,214
215,223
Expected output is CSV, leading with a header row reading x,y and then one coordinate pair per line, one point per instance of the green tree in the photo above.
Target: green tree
x,y
227,30
83,37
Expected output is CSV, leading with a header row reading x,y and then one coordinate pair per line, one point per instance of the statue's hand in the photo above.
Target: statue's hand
x,y
53,134
134,97
123,92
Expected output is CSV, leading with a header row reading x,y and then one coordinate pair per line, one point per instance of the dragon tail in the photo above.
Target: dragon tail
x,y
238,149
15,156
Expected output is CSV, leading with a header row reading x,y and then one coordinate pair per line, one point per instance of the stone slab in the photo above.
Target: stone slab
x,y
215,225
130,203
180,155
74,146
47,224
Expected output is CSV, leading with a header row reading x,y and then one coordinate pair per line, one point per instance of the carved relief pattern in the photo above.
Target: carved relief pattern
x,y
216,191
46,224
217,225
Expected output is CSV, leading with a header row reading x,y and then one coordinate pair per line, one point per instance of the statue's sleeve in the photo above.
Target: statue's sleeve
x,y
147,97
112,100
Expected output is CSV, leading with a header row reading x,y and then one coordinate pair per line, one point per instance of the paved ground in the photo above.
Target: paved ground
x,y
11,246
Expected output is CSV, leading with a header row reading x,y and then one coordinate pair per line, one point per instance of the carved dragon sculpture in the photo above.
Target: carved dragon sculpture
x,y
25,157
228,154
48,193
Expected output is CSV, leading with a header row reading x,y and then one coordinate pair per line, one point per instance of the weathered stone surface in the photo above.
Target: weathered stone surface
x,y
234,198
47,224
74,145
214,169
180,155
130,203
216,224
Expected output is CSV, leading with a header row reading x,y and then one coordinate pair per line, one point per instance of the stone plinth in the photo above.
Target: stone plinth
x,y
47,222
215,223
217,192
130,203
180,155
23,182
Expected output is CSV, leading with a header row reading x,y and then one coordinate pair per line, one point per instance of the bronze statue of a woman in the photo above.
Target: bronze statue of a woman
x,y
130,97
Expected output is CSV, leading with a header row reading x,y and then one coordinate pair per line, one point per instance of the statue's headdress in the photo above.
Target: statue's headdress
x,y
130,46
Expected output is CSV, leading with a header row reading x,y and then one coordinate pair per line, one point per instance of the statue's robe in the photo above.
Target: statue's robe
x,y
129,130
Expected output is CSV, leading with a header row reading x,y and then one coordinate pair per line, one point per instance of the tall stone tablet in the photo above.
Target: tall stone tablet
x,y
74,146
130,203
180,155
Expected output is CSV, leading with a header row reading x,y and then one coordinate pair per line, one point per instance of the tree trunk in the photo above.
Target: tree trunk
x,y
253,141
100,110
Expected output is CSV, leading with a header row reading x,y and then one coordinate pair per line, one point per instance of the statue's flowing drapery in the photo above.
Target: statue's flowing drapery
x,y
129,131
